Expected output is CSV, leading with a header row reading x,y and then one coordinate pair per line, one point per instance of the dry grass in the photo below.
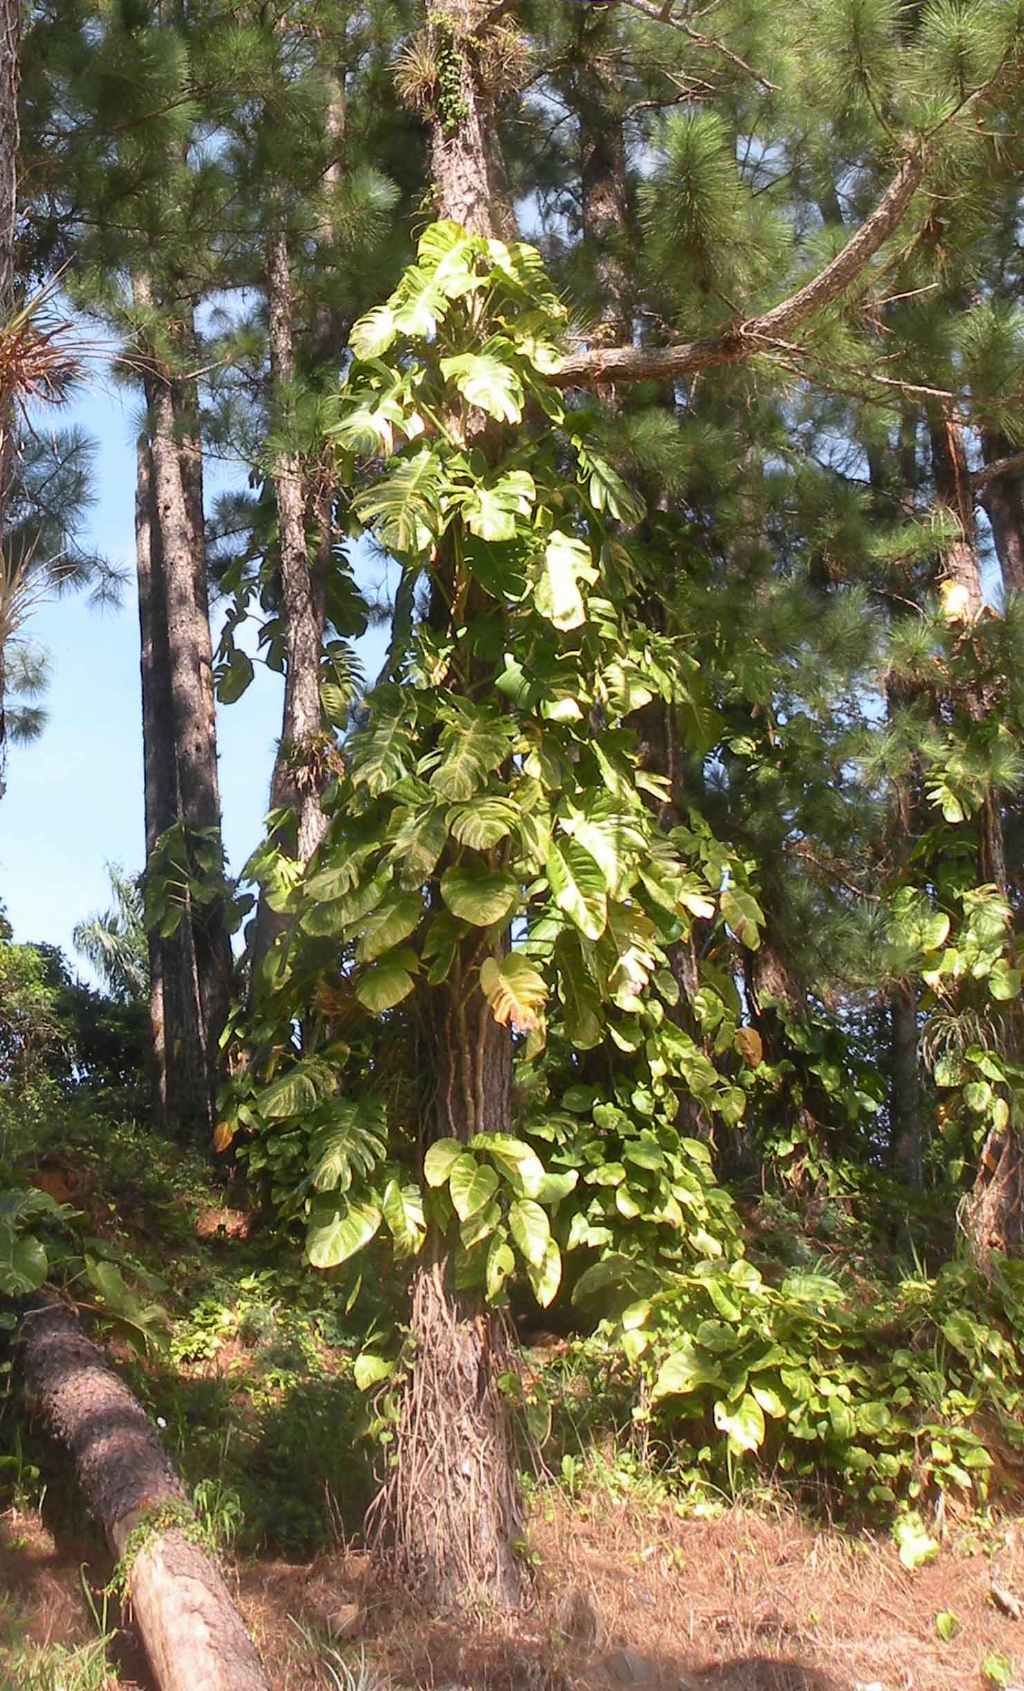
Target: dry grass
x,y
756,1600
752,1601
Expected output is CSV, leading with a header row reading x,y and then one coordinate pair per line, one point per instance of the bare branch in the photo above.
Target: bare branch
x,y
989,473
665,14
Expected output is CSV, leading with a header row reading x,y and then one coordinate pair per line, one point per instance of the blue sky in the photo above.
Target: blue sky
x,y
74,798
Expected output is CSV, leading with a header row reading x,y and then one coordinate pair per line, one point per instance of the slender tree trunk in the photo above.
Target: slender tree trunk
x,y
160,780
1003,500
449,1518
190,663
10,138
192,1632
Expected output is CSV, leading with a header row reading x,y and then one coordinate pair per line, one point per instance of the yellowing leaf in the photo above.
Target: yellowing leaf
x,y
567,562
515,991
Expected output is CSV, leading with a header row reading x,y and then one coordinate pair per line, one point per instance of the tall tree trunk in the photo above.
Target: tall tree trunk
x,y
297,780
10,137
190,665
160,779
193,976
450,1515
1003,500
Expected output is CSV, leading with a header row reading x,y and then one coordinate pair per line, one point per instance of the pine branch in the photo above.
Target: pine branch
x,y
999,467
606,366
740,340
664,14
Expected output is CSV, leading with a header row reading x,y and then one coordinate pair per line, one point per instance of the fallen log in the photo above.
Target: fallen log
x,y
191,1630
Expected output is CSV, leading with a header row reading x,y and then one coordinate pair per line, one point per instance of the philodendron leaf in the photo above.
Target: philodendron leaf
x,y
23,1263
531,1230
744,1424
439,1161
340,1235
914,1543
486,382
744,916
545,1277
386,983
500,1264
472,1185
578,887
515,991
514,1157
480,898
567,562
403,1212
684,1371
373,334
388,925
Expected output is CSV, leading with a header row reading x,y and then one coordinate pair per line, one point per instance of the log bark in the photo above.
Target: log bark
x,y
192,1632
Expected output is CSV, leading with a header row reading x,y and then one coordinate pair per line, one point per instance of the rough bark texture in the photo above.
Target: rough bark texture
x,y
192,1632
190,665
466,162
450,1516
160,780
10,44
1003,500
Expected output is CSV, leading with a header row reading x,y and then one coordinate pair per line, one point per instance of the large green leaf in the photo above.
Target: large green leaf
x,y
531,1230
578,887
493,513
292,1094
500,1264
684,1371
513,1155
403,509
418,842
23,1262
403,1212
440,1159
744,916
385,984
545,1277
486,382
743,1423
611,836
373,333
380,753
474,741
584,1026
340,1235
566,562
514,990
472,1184
482,822
388,925
479,897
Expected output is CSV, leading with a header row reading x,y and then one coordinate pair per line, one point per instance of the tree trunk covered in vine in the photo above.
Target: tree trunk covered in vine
x,y
449,1518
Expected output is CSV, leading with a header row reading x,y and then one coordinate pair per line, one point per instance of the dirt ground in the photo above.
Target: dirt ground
x,y
754,1600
